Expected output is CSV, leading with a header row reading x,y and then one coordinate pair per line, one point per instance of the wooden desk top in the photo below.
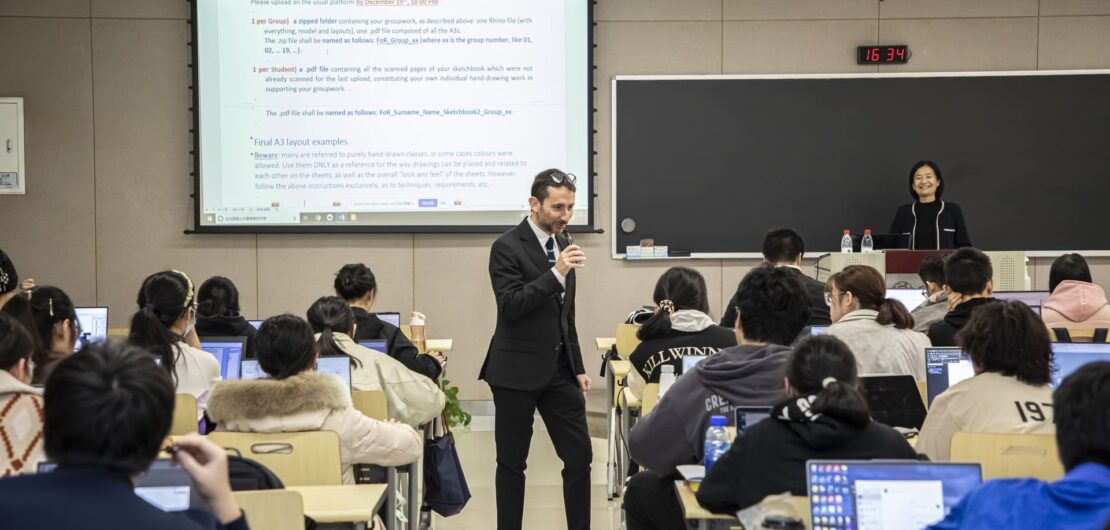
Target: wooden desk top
x,y
605,343
620,368
690,507
341,504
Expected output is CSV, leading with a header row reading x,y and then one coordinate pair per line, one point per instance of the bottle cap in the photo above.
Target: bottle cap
x,y
846,232
867,232
417,319
717,421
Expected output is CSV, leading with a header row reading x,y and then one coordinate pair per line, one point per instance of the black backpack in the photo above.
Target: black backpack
x,y
247,475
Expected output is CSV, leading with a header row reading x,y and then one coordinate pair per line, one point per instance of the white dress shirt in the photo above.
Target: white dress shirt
x,y
543,236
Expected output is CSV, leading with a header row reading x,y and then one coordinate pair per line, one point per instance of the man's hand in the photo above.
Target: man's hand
x,y
584,382
570,258
206,464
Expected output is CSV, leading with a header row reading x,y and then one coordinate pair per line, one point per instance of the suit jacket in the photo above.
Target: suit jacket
x,y
90,499
815,291
535,325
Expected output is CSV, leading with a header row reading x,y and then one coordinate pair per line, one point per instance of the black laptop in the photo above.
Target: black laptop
x,y
894,400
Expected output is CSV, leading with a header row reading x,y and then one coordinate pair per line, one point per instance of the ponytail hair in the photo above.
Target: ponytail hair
x,y
284,346
867,285
825,367
163,298
678,289
327,316
49,306
217,296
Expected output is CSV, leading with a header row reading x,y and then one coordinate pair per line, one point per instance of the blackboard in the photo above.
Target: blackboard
x,y
708,164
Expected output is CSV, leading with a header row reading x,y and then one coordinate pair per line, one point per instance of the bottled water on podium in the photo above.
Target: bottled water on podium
x,y
846,243
666,379
716,440
867,244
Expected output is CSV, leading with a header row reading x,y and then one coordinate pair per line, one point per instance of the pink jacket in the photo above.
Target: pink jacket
x,y
1076,305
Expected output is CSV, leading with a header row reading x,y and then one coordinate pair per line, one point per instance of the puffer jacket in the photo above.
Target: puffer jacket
x,y
310,401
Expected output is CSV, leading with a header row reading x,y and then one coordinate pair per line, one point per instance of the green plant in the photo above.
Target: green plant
x,y
456,416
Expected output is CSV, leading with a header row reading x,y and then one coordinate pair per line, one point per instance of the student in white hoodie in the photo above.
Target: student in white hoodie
x,y
412,398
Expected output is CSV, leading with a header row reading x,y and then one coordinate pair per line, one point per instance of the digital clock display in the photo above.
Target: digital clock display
x,y
883,54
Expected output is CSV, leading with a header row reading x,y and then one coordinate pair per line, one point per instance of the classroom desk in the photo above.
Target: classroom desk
x,y
605,344
701,518
341,504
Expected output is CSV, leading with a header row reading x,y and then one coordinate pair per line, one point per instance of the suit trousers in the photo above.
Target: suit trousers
x,y
563,409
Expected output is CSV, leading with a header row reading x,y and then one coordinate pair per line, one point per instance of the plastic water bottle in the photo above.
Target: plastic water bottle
x,y
666,378
846,243
867,244
716,440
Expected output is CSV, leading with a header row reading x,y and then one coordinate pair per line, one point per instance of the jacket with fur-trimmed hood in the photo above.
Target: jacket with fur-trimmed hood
x,y
310,401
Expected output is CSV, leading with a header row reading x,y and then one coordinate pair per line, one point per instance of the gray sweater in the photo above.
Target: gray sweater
x,y
674,433
931,310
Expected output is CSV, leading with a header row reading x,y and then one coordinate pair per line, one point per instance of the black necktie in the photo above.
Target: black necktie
x,y
550,250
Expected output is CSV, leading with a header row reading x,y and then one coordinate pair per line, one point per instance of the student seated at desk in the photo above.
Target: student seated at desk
x,y
824,417
1012,358
935,306
679,327
218,312
773,309
356,284
1075,302
875,328
1079,500
165,325
411,398
20,403
48,313
784,247
969,282
108,411
295,398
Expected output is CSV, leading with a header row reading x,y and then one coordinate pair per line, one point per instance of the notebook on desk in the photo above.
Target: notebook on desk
x,y
885,495
894,400
228,351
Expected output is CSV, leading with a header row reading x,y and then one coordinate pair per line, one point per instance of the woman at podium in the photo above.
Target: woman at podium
x,y
930,222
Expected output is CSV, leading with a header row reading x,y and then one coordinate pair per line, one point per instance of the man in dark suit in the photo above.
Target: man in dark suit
x,y
534,361
107,413
783,247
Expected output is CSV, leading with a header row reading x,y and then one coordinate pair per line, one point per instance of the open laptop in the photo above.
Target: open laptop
x,y
885,495
376,345
945,367
1070,356
1034,299
164,485
894,400
256,323
94,325
817,330
911,298
688,362
390,318
336,365
745,417
229,351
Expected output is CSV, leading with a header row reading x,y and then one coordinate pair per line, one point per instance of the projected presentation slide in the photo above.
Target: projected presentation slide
x,y
388,113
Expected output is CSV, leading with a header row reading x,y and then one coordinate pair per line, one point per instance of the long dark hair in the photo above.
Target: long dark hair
x,y
217,296
825,367
866,284
18,309
49,306
284,346
677,289
330,315
354,280
16,342
164,297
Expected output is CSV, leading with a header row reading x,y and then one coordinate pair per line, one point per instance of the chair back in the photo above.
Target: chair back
x,y
1006,455
185,415
298,458
627,339
371,403
923,389
1078,335
650,398
272,509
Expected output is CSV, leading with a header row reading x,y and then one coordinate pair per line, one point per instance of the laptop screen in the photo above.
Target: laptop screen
x,y
1070,356
894,400
911,298
337,365
817,330
164,485
945,367
94,325
688,362
878,495
748,416
376,345
391,318
1034,299
256,323
227,350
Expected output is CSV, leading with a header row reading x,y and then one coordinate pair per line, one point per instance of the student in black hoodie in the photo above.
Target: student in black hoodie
x,y
218,312
680,325
970,276
824,418
772,309
356,284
